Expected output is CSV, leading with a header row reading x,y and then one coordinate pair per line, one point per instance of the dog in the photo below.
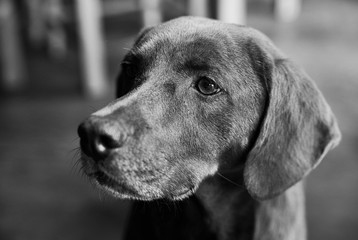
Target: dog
x,y
212,131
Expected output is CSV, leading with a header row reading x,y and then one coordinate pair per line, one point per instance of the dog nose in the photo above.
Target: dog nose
x,y
100,136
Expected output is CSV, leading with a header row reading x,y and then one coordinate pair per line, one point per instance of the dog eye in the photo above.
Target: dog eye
x,y
129,69
207,86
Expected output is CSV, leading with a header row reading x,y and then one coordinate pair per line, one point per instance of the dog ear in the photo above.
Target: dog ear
x,y
296,132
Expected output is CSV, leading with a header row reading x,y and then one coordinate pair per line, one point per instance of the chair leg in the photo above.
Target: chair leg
x,y
199,8
92,43
151,12
11,49
287,10
232,11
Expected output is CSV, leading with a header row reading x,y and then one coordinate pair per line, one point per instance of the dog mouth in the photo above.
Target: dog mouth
x,y
120,187
104,179
112,185
182,194
122,190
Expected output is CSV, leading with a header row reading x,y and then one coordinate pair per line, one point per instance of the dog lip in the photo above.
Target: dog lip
x,y
104,179
107,181
183,193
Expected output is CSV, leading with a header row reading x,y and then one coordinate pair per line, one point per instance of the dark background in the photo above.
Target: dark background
x,y
42,193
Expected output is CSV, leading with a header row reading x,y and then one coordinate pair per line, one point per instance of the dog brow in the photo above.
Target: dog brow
x,y
194,64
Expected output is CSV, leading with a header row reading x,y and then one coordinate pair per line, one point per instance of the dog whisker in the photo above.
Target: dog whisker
x,y
76,159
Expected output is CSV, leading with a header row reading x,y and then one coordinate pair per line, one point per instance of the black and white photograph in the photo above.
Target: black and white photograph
x,y
178,119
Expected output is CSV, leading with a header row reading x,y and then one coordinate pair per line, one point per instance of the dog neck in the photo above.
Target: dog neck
x,y
221,210
234,214
231,210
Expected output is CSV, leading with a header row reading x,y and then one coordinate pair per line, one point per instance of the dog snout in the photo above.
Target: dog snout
x,y
99,137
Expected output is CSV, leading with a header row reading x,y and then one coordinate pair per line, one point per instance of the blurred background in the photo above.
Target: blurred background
x,y
58,63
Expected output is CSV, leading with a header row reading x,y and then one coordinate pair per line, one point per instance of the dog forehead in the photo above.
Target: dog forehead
x,y
232,35
184,32
185,27
188,26
186,43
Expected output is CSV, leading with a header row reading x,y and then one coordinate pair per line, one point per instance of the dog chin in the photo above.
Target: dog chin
x,y
113,187
114,192
122,191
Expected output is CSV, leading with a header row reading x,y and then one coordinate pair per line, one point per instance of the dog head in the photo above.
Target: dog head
x,y
197,96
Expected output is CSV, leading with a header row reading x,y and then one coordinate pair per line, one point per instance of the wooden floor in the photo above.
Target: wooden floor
x,y
42,195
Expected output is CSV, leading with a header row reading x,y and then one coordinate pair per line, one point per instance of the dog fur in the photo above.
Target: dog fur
x,y
222,166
